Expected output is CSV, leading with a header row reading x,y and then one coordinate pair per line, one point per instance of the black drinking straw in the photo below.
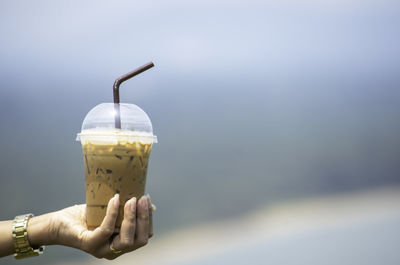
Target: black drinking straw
x,y
118,82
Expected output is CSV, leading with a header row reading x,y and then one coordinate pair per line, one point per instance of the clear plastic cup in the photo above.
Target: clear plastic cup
x,y
115,160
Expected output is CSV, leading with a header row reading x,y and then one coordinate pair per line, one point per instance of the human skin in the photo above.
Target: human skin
x,y
67,227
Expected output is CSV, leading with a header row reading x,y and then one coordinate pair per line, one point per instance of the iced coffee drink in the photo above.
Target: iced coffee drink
x,y
110,169
115,160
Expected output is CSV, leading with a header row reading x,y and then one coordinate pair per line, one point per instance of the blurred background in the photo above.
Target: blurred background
x,y
278,123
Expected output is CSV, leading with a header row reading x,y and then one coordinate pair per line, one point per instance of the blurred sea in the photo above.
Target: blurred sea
x,y
253,103
350,228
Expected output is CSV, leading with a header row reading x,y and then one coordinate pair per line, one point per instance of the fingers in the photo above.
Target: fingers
x,y
136,228
126,239
106,229
128,226
142,222
150,215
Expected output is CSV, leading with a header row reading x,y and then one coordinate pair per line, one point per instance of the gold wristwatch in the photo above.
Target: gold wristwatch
x,y
20,237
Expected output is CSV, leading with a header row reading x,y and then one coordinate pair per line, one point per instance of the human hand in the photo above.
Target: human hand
x,y
70,229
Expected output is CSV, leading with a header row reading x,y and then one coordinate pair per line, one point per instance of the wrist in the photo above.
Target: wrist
x,y
39,230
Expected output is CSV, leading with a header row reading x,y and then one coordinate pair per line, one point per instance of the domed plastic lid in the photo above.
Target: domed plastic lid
x,y
99,125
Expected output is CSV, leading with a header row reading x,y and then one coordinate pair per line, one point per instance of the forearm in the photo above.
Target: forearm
x,y
6,239
39,233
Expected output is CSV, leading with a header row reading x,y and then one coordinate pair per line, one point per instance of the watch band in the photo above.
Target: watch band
x,y
20,237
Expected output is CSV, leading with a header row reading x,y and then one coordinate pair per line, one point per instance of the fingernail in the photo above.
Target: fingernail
x,y
144,203
116,199
133,204
148,200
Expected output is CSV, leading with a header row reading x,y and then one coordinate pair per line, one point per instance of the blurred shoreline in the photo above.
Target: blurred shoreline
x,y
284,220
